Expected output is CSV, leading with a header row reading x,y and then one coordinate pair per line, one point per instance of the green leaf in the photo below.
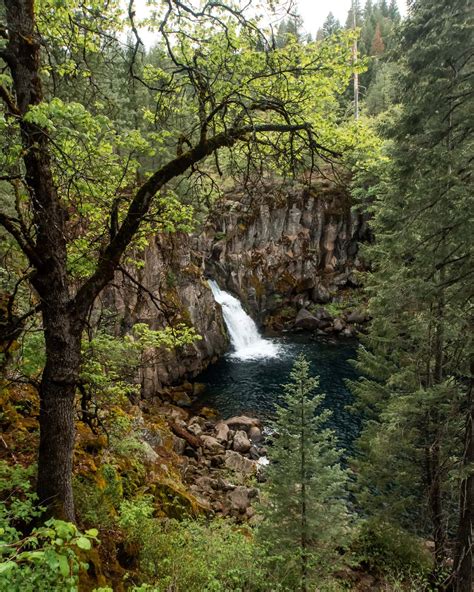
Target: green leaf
x,y
83,543
93,532
64,566
31,555
7,566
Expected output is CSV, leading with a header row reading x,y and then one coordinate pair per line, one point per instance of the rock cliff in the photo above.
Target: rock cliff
x,y
170,288
285,245
283,248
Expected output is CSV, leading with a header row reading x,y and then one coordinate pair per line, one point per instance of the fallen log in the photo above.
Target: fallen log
x,y
181,432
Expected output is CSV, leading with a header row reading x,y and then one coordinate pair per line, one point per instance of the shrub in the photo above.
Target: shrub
x,y
192,556
390,550
47,560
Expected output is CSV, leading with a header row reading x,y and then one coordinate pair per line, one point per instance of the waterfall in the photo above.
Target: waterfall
x,y
247,342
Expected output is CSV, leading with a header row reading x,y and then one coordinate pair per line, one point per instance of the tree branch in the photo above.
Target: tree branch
x,y
10,225
110,257
9,101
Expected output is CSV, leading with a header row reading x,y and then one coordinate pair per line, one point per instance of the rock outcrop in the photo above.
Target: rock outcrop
x,y
285,245
281,250
167,289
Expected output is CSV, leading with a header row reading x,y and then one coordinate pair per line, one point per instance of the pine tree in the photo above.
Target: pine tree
x,y
358,15
291,27
305,510
417,391
378,46
393,12
368,8
331,25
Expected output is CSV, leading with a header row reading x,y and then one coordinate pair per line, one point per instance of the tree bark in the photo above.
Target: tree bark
x,y
48,254
462,579
57,412
435,504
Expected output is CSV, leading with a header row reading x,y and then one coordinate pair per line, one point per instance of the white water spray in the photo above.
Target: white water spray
x,y
244,336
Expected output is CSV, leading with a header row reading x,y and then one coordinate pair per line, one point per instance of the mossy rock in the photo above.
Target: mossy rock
x,y
173,501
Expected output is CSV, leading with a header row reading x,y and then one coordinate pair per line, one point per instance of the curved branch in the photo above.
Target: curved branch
x,y
12,226
110,257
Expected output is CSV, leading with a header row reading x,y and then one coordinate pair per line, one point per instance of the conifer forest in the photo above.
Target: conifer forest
x,y
236,296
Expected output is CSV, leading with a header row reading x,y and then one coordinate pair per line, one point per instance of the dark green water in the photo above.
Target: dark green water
x,y
253,387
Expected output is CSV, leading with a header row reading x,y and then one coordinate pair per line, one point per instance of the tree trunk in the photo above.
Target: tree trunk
x,y
435,504
57,393
462,579
303,518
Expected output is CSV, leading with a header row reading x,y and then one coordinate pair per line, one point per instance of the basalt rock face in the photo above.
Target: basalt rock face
x,y
285,245
170,289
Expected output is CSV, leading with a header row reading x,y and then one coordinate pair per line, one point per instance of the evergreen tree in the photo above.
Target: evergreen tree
x,y
355,8
393,12
320,34
306,515
378,46
331,25
291,27
368,8
417,391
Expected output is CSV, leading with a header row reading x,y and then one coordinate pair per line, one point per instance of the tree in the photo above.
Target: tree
x,y
356,10
305,508
85,187
378,46
393,12
331,25
416,448
290,28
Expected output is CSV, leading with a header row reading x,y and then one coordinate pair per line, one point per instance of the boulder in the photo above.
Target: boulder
x,y
205,483
305,320
320,294
254,453
175,413
195,429
338,325
197,419
348,332
238,463
322,315
198,389
149,454
357,316
212,445
208,413
255,435
241,442
222,432
240,499
179,445
217,460
181,398
242,422
224,485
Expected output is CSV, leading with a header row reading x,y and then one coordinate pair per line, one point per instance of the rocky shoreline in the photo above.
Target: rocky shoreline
x,y
348,323
221,461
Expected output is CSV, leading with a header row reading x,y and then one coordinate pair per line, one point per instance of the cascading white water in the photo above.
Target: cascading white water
x,y
244,336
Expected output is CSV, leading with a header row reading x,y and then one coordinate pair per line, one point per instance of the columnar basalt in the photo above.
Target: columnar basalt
x,y
285,245
167,289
